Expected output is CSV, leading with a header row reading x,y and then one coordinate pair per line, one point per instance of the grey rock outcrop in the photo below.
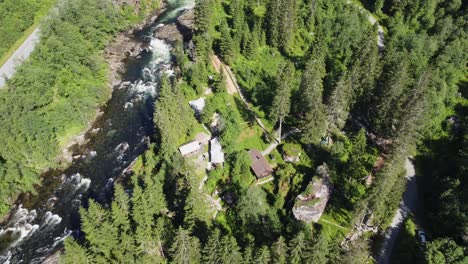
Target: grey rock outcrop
x,y
310,204
181,30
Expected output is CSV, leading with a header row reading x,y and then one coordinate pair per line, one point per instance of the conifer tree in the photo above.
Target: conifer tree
x,y
120,220
75,254
172,117
230,251
318,253
203,15
248,255
314,121
263,256
339,103
357,253
280,251
297,247
395,81
211,251
185,249
226,43
282,99
249,249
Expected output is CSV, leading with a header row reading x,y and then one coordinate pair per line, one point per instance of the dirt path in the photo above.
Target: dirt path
x,y
232,87
22,53
333,224
373,20
219,66
409,204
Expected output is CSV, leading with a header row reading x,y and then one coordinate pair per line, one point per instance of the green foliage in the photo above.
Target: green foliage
x,y
132,230
280,251
298,246
39,110
407,248
185,249
172,118
281,104
443,251
240,169
348,89
310,91
442,165
16,17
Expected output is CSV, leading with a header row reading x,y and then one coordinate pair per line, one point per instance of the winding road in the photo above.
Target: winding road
x,y
411,204
8,69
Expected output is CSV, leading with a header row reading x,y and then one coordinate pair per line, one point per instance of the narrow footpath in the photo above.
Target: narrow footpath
x,y
232,86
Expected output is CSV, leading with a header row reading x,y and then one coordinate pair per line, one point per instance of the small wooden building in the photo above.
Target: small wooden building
x,y
190,148
260,165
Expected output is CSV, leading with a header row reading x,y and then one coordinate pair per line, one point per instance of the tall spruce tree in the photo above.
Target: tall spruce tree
x,y
297,246
230,250
339,103
314,121
263,255
280,251
212,249
185,249
282,100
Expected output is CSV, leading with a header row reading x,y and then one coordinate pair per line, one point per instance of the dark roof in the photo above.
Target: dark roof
x,y
260,165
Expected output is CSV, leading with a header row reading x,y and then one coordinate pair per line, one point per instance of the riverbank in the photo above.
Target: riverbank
x,y
117,136
76,135
116,54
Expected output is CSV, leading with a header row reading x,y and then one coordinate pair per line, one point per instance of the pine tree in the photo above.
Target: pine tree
x,y
120,220
318,253
282,99
263,256
226,43
172,117
74,254
358,252
185,249
100,233
395,81
230,251
280,251
339,103
297,247
314,122
203,15
274,21
211,251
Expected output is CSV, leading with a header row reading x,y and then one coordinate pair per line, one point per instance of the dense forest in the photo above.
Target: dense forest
x,y
314,67
56,93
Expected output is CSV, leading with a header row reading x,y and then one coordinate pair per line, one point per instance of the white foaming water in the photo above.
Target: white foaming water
x,y
160,59
79,183
50,219
6,258
18,228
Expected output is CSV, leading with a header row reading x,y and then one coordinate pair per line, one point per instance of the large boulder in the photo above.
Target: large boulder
x,y
187,20
169,33
311,203
181,30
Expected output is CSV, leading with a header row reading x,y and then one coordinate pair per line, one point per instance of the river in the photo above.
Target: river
x,y
37,228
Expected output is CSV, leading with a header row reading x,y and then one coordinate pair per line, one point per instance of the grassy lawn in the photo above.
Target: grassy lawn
x,y
251,137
